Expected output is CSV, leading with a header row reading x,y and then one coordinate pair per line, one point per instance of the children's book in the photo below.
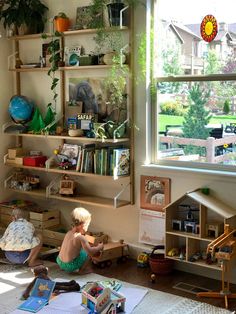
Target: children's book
x,y
39,297
113,284
121,157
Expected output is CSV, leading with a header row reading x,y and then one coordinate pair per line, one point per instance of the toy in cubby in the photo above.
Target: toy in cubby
x,y
99,299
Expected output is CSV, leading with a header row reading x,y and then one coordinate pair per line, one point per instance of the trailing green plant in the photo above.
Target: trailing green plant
x,y
24,12
55,58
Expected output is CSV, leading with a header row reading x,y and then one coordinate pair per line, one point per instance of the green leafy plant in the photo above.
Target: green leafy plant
x,y
55,59
226,107
30,13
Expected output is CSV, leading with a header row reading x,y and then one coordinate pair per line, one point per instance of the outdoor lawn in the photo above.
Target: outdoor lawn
x,y
178,120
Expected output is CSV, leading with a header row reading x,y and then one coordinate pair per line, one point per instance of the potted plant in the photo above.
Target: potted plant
x,y
24,16
62,22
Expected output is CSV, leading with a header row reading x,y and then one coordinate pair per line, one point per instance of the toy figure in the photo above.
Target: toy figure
x,y
42,272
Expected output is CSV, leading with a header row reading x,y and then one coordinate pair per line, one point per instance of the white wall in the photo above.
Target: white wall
x,y
122,223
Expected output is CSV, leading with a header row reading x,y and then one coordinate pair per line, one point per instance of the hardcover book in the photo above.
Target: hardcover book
x,y
39,297
121,157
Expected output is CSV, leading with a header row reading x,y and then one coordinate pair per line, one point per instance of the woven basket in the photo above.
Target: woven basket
x,y
158,263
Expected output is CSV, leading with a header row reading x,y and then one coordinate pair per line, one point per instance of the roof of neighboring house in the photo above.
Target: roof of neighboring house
x,y
184,28
167,24
195,28
209,201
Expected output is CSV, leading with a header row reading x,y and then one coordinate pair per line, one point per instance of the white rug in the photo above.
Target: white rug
x,y
13,281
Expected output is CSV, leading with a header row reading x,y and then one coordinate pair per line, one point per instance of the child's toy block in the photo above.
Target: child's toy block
x,y
214,229
15,152
15,161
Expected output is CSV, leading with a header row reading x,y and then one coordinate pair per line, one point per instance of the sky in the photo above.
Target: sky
x,y
191,12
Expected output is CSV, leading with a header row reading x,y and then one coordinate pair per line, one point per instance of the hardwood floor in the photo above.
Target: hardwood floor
x,y
141,276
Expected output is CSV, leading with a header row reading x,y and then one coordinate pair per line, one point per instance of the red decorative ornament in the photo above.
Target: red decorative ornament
x,y
209,28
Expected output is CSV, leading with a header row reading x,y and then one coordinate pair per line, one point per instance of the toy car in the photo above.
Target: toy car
x,y
111,251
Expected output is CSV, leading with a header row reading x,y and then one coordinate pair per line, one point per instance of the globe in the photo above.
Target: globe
x,y
20,109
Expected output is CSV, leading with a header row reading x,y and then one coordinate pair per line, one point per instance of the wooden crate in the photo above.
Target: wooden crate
x,y
45,219
53,236
5,215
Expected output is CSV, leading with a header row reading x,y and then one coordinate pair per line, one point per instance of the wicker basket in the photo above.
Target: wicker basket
x,y
158,263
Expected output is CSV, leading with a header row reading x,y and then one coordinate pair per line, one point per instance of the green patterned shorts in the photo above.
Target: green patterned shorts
x,y
75,264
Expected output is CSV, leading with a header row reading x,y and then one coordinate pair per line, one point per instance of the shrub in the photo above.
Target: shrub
x,y
226,107
171,108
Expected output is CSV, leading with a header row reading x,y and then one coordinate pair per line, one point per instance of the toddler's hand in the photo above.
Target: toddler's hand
x,y
100,246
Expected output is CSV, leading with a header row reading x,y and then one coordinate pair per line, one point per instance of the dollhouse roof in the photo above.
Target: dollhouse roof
x,y
209,201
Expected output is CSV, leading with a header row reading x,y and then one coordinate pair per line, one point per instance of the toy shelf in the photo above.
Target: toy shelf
x,y
38,192
91,200
68,33
71,138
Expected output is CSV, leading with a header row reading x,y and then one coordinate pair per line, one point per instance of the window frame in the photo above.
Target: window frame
x,y
152,112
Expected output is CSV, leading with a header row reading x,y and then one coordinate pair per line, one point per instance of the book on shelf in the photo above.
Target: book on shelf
x,y
121,159
87,159
40,295
79,159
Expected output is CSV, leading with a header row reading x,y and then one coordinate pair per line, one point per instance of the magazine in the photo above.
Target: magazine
x,y
39,297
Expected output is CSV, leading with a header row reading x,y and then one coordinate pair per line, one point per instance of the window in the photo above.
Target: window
x,y
196,85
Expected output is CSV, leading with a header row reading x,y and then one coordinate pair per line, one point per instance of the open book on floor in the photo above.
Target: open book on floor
x,y
39,297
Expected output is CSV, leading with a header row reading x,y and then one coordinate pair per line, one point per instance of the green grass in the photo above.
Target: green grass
x,y
177,120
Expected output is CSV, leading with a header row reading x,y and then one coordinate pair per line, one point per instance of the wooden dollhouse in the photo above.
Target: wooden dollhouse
x,y
192,222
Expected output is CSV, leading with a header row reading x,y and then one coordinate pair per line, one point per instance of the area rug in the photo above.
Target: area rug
x,y
14,279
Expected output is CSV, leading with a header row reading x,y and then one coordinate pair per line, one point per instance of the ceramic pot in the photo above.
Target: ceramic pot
x,y
61,24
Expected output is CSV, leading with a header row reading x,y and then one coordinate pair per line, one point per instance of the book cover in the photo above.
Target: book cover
x,y
121,157
39,297
112,284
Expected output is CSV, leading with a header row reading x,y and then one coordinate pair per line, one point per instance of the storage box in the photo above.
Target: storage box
x,y
34,161
45,219
15,161
53,236
15,152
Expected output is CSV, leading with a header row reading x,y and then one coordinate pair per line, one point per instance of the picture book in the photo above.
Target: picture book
x,y
121,157
113,284
39,297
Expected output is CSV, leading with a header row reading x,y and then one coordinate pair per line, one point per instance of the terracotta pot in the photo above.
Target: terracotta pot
x,y
62,24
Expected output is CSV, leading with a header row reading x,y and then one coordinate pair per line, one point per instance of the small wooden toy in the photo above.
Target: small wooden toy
x,y
67,186
111,250
102,300
214,229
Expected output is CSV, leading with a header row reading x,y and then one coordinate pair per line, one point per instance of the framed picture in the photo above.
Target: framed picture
x,y
155,192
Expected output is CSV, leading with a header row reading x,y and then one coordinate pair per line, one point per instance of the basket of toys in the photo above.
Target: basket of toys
x,y
158,263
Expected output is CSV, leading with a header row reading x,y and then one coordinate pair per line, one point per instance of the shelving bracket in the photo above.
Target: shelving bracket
x,y
116,198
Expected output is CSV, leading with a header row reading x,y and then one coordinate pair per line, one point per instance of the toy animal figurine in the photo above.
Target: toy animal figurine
x,y
42,272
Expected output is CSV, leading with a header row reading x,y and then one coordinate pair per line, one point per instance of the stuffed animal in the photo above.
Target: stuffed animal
x,y
42,272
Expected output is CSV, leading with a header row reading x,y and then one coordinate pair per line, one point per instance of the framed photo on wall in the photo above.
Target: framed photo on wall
x,y
155,192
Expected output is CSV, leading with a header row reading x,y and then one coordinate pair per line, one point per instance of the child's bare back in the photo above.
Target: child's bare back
x,y
71,246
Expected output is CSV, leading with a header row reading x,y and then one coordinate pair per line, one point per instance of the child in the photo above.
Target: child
x,y
19,241
75,249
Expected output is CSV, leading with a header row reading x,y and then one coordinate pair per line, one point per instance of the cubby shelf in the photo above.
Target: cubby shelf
x,y
198,263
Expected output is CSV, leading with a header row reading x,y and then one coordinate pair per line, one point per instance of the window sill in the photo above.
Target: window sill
x,y
225,173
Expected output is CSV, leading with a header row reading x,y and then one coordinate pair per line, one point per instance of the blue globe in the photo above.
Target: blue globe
x,y
20,109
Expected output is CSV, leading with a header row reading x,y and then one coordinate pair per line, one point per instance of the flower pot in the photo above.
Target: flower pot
x,y
62,24
114,14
